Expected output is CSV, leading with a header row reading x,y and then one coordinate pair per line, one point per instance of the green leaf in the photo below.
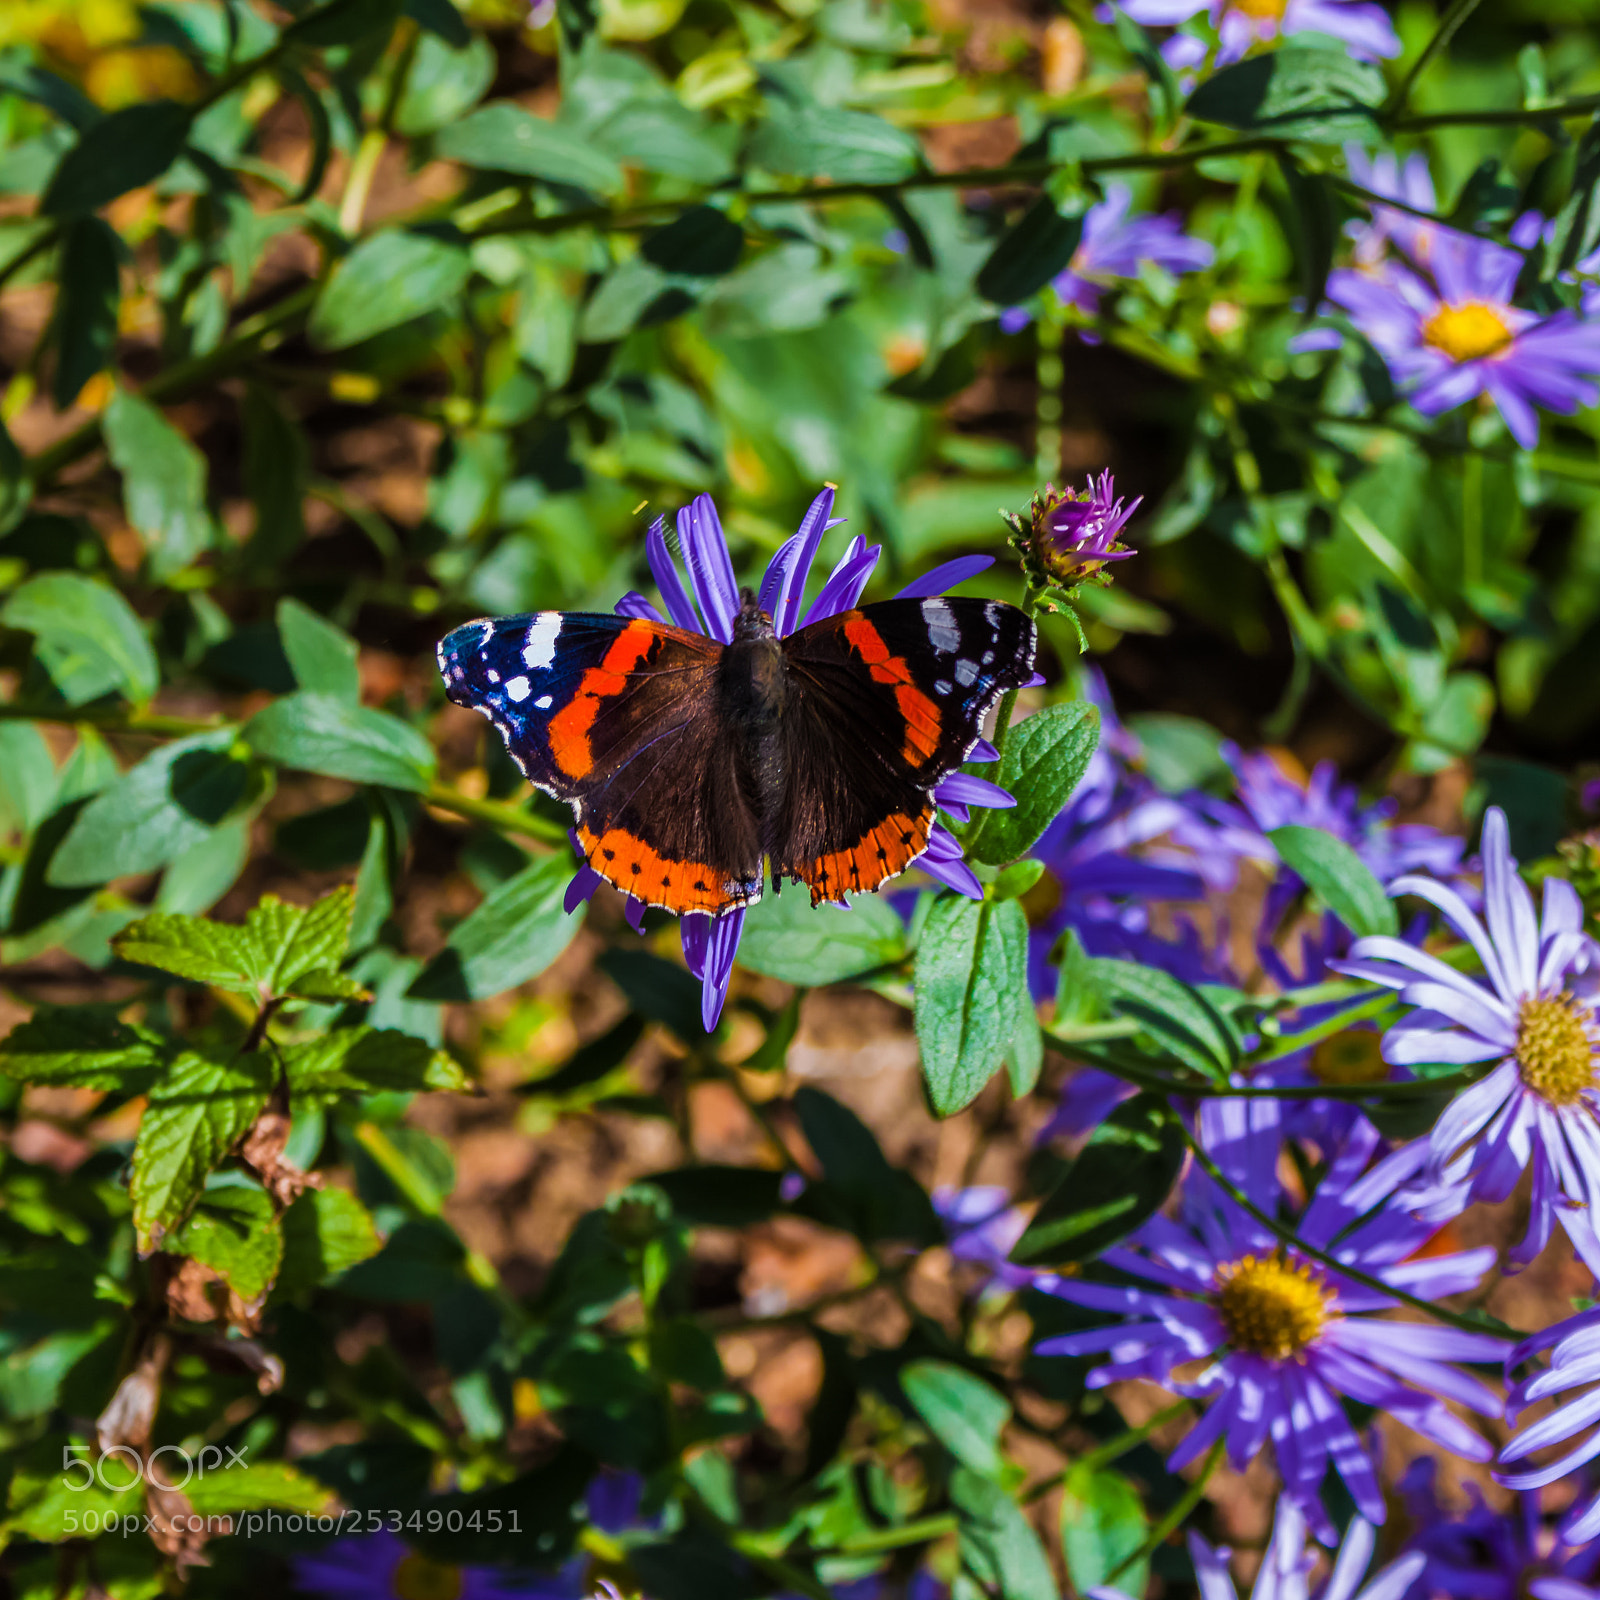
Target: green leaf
x,y
1575,232
27,777
786,937
863,1192
257,1485
367,1061
86,311
1315,210
664,135
962,1412
322,657
701,242
390,278
513,936
447,78
812,141
277,462
278,949
87,637
1308,88
971,961
83,1046
998,1543
234,1230
202,875
122,151
194,1117
504,138
163,482
1031,251
1045,758
325,1232
315,733
156,811
1173,1012
1117,1181
1339,878
1103,1522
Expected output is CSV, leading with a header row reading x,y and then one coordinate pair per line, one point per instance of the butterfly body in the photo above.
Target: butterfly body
x,y
693,767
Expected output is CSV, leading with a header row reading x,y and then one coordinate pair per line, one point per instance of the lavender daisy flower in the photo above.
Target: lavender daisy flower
x,y
1286,1566
380,1566
1366,30
1533,1017
1459,336
703,597
1574,1347
1408,180
1114,246
982,1225
1285,1336
1486,1554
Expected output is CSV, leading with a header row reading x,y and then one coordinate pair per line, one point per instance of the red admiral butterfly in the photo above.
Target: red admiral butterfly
x,y
691,765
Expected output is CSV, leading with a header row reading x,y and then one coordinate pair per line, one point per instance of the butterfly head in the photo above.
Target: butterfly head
x,y
752,622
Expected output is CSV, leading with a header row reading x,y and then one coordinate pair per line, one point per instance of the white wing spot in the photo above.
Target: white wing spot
x,y
988,658
544,702
943,686
539,650
966,673
993,612
518,688
943,633
491,675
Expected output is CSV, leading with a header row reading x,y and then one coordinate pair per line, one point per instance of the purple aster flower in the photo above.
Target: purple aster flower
x,y
380,1566
982,1225
1365,28
1485,1554
708,602
1286,1566
1533,1016
1284,1336
1115,245
1408,180
1458,336
1069,535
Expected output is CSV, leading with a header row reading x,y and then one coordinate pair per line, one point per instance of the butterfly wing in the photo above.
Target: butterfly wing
x,y
884,704
619,717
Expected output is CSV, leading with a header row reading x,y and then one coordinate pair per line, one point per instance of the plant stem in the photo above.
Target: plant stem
x,y
897,1538
1483,1323
497,814
1175,1518
1458,13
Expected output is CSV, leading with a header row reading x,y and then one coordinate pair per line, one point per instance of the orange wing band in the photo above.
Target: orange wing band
x,y
624,859
921,715
873,859
571,726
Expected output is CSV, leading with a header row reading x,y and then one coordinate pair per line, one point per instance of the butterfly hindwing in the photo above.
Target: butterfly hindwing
x,y
884,703
618,716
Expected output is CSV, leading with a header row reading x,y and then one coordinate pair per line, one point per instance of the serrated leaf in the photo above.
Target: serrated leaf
x,y
322,657
367,1061
163,483
87,637
389,278
1309,88
1173,1012
1339,877
1044,760
962,1412
971,961
234,1231
315,733
122,151
156,811
786,937
195,1115
1117,1181
514,935
213,953
296,941
504,138
1103,1522
82,1046
325,1232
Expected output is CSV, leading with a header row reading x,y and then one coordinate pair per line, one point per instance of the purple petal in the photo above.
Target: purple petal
x,y
846,582
705,551
584,883
633,909
665,571
812,527
983,751
709,946
961,788
945,577
634,604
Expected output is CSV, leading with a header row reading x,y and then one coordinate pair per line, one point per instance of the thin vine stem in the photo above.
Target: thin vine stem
x,y
1458,13
1176,1517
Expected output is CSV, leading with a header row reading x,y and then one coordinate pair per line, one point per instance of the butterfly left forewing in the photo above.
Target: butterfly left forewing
x,y
618,716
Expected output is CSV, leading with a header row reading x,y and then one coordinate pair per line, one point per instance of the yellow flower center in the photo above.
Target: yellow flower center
x,y
1265,10
1554,1052
1272,1306
418,1578
1469,331
1354,1056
